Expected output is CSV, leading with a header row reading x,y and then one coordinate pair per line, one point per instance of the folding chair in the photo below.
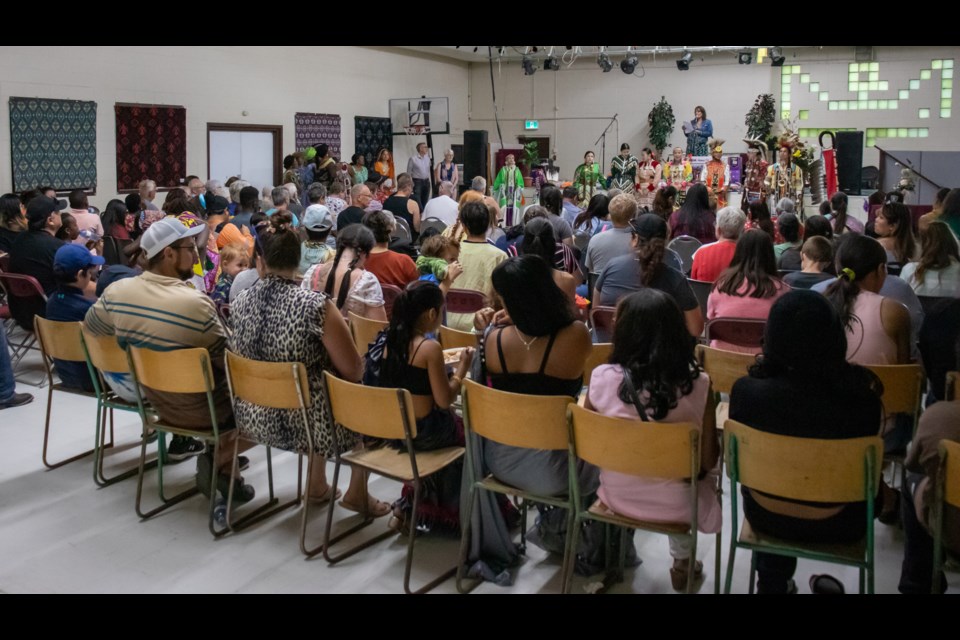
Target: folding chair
x,y
902,393
102,353
390,293
603,320
724,368
807,469
743,332
364,331
403,229
60,340
176,371
26,300
495,415
947,492
388,414
685,246
432,223
660,450
278,385
464,301
453,339
701,290
599,354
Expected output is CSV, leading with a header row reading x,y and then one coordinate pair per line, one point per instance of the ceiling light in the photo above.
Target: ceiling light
x,y
604,61
776,56
745,57
529,66
683,64
629,64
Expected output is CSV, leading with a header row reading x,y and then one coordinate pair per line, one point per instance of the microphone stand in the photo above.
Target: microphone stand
x,y
602,140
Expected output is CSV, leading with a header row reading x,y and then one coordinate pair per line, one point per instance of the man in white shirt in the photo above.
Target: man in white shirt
x,y
443,207
420,167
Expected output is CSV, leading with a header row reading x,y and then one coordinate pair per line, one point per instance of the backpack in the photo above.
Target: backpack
x,y
374,360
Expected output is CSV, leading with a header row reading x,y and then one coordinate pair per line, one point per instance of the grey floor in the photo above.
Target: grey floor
x,y
59,533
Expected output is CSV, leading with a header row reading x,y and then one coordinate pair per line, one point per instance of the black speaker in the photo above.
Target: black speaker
x,y
849,161
474,155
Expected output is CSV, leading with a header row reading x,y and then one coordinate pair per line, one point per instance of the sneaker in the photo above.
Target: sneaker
x,y
182,447
242,493
17,400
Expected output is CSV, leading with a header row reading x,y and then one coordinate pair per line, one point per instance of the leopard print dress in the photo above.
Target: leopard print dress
x,y
277,321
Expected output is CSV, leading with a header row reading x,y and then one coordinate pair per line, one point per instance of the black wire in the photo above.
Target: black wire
x,y
493,91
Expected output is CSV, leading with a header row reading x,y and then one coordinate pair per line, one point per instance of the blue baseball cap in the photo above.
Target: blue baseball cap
x,y
71,258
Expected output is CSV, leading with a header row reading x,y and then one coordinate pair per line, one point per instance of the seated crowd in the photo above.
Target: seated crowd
x,y
276,275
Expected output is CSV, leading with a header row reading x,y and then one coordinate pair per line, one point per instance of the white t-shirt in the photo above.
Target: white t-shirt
x,y
443,208
936,283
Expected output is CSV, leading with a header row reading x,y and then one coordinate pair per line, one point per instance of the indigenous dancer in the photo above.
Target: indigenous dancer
x,y
755,172
508,189
624,170
785,179
648,179
716,173
587,179
678,173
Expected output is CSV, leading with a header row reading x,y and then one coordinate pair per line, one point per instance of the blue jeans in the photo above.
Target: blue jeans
x,y
8,385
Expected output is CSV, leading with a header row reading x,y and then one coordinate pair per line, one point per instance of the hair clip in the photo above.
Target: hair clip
x,y
851,276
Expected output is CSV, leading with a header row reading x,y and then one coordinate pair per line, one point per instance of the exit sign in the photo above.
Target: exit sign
x,y
531,125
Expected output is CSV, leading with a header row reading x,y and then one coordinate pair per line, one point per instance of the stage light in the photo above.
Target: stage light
x,y
629,64
776,57
683,64
551,63
529,66
744,57
604,61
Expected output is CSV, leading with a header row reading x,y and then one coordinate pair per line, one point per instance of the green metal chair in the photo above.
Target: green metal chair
x,y
387,414
947,493
495,415
807,469
60,340
176,371
646,449
102,353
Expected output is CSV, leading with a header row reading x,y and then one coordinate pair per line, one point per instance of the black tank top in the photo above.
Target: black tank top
x,y
539,383
416,380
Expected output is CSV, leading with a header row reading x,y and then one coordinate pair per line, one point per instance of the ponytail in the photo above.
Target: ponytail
x,y
857,257
409,306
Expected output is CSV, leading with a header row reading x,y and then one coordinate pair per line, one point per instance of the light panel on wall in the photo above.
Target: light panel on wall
x,y
948,64
904,94
947,73
936,65
923,113
884,85
925,74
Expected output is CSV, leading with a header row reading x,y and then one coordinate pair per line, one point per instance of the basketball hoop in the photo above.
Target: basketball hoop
x,y
415,130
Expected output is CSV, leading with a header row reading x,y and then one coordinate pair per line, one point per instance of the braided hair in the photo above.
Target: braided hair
x,y
361,240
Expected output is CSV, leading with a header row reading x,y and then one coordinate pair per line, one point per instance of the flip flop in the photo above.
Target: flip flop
x,y
826,585
329,496
382,509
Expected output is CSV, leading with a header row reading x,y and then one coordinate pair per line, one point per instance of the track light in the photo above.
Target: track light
x,y
683,64
776,57
745,57
629,64
604,61
529,66
551,63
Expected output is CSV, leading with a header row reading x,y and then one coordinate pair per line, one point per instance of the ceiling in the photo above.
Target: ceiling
x,y
467,53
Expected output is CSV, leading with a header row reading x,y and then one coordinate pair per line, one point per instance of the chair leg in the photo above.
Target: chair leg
x,y
465,544
46,436
165,503
305,515
716,561
731,556
753,571
99,477
410,544
329,542
569,556
264,511
862,580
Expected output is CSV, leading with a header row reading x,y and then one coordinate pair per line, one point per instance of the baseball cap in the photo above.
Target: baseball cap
x,y
71,258
318,218
41,207
165,232
649,226
216,205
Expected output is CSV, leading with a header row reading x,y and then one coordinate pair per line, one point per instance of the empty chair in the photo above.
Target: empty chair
x,y
702,291
454,339
464,301
602,319
685,246
432,223
403,229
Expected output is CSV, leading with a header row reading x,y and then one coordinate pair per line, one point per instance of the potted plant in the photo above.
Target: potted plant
x,y
661,122
531,155
760,119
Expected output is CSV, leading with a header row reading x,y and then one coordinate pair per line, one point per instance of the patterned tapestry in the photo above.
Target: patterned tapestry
x,y
311,129
151,143
372,134
53,142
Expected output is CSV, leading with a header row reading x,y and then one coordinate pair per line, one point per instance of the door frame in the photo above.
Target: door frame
x,y
275,129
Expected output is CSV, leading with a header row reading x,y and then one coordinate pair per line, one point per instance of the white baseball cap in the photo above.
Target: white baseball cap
x,y
165,232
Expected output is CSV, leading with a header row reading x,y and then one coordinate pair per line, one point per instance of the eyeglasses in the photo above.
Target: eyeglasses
x,y
190,246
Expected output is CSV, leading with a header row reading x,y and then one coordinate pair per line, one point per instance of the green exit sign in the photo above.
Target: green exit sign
x,y
531,125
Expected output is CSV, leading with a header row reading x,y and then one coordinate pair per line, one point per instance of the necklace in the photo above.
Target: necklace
x,y
525,343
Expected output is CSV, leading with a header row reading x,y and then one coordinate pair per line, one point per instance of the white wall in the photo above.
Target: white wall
x,y
585,98
217,84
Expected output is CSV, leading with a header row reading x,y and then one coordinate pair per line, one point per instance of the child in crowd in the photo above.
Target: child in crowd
x,y
68,230
438,261
317,222
234,258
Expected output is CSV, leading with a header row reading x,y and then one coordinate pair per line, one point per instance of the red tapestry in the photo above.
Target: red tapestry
x,y
151,143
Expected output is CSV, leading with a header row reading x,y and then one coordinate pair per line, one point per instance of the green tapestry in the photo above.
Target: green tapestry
x,y
53,142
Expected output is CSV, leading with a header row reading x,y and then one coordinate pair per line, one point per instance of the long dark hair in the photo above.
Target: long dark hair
x,y
11,216
413,302
281,246
539,239
664,200
534,211
938,249
839,205
755,264
904,244
356,237
650,251
114,215
695,213
759,212
857,257
537,306
651,341
551,198
817,226
597,208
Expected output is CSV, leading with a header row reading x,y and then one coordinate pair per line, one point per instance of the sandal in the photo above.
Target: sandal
x,y
330,495
380,509
826,585
678,575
